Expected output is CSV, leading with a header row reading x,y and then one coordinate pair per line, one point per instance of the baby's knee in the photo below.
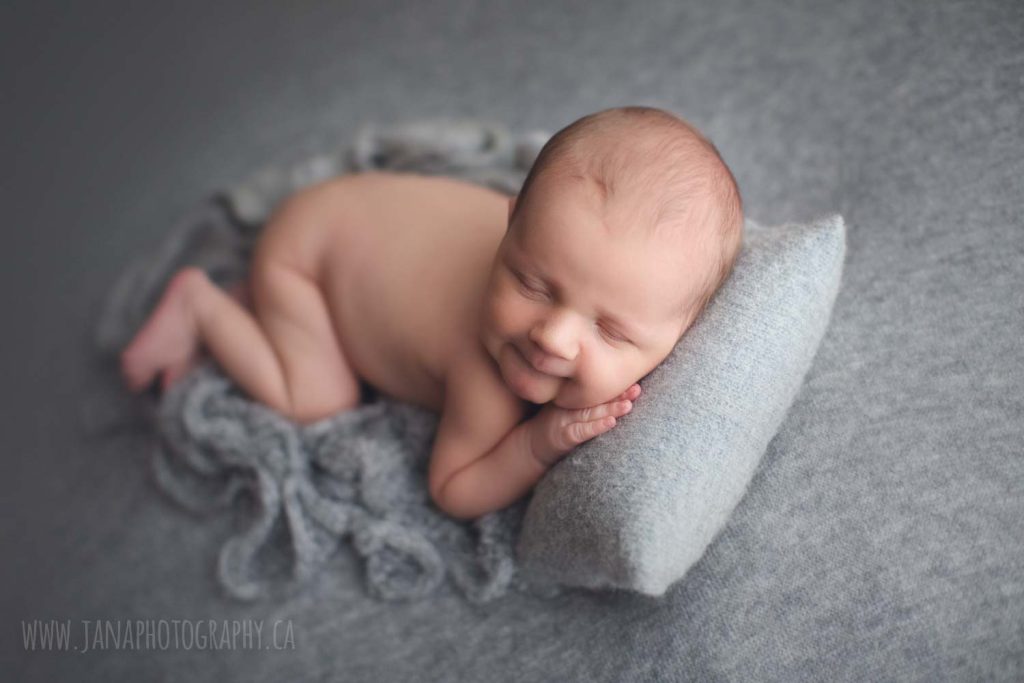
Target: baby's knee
x,y
189,279
308,411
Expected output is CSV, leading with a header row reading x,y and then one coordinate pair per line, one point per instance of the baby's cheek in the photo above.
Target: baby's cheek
x,y
511,315
496,314
604,381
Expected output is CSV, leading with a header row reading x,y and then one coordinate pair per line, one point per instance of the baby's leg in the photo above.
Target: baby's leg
x,y
293,313
168,343
285,357
239,291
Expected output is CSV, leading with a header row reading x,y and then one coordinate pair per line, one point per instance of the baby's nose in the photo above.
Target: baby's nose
x,y
557,335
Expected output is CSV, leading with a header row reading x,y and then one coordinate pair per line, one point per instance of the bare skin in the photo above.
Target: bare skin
x,y
171,334
420,287
337,283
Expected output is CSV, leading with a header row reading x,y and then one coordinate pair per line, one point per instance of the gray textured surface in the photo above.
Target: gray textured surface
x,y
881,536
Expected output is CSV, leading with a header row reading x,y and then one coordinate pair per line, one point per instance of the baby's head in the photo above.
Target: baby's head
x,y
626,225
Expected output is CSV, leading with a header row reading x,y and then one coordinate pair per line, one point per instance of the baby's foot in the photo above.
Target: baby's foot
x,y
239,291
168,342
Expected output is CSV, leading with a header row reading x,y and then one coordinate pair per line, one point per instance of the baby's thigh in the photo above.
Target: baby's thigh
x,y
292,311
293,236
289,303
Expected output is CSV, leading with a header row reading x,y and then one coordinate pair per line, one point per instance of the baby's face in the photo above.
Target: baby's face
x,y
577,309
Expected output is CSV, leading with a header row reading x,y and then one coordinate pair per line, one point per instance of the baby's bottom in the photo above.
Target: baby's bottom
x,y
285,356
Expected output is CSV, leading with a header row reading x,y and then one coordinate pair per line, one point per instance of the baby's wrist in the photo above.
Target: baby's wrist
x,y
539,447
529,443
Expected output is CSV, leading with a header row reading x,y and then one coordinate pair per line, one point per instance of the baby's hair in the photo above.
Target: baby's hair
x,y
664,158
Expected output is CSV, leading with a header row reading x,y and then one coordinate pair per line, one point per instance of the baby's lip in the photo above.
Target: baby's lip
x,y
539,362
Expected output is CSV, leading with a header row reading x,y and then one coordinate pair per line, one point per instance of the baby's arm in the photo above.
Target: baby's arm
x,y
479,461
484,458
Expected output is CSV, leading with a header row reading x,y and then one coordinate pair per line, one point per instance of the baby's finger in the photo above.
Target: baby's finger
x,y
612,408
578,432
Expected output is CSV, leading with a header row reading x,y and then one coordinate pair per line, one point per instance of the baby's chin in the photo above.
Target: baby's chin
x,y
570,395
555,391
538,396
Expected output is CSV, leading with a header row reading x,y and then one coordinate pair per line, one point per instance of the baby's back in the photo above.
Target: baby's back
x,y
404,275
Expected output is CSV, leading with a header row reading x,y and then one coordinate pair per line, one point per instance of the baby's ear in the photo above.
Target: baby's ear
x,y
512,205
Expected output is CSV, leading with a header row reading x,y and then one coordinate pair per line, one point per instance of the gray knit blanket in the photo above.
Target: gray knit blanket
x,y
357,480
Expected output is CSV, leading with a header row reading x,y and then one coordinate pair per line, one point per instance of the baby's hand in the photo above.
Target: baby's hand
x,y
555,431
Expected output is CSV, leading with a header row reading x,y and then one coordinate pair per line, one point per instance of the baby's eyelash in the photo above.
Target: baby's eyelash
x,y
528,287
612,335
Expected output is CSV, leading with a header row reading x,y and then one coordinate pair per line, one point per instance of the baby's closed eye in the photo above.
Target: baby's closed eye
x,y
612,335
537,291
529,288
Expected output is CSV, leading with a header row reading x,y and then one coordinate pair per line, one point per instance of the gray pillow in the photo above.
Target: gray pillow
x,y
636,507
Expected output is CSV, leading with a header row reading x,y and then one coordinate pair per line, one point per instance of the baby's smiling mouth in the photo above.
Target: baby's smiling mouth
x,y
536,361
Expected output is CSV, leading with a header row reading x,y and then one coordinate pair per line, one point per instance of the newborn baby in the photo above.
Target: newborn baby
x,y
524,321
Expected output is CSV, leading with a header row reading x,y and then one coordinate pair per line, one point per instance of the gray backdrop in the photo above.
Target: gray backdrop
x,y
881,537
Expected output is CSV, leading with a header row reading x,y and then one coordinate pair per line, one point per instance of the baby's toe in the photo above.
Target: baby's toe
x,y
135,374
